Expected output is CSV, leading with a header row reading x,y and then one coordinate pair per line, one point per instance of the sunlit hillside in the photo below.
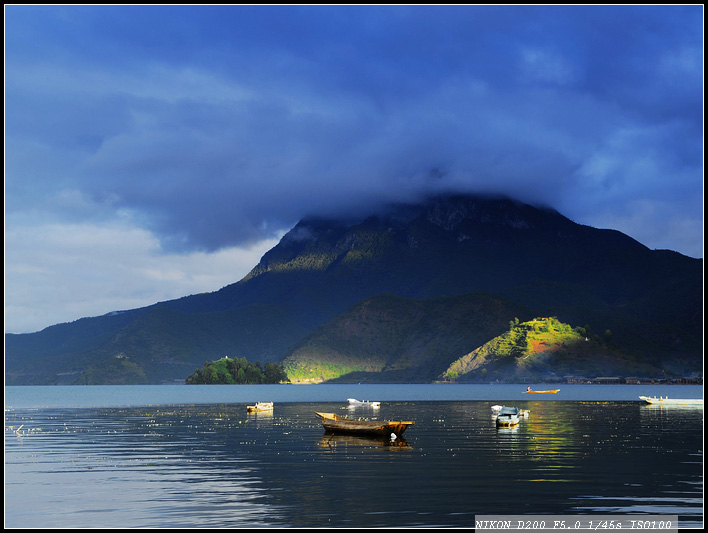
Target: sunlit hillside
x,y
545,348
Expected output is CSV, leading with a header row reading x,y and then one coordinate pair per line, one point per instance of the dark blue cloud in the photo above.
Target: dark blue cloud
x,y
218,125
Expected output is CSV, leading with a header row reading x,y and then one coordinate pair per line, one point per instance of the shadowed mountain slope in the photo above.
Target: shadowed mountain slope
x,y
651,300
393,339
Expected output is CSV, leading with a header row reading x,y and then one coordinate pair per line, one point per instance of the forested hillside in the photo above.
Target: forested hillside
x,y
546,349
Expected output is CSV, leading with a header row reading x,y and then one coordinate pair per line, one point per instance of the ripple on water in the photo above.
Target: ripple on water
x,y
217,466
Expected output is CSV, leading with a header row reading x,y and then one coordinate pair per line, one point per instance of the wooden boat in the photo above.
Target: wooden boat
x,y
338,424
260,406
671,401
508,416
542,391
354,403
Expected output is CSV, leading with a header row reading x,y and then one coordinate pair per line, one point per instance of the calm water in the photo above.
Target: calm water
x,y
179,456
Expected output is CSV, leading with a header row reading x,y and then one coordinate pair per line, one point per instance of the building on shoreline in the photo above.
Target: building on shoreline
x,y
617,380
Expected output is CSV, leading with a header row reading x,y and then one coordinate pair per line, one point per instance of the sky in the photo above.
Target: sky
x,y
152,152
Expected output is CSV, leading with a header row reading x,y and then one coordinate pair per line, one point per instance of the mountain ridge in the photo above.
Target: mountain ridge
x,y
443,247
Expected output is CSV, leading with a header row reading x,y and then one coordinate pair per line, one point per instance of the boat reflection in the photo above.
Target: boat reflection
x,y
259,414
261,419
332,440
673,406
507,430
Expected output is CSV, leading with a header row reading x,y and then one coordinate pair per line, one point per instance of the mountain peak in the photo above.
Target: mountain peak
x,y
446,211
450,211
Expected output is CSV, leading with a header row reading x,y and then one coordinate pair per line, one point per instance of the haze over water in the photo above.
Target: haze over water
x,y
139,458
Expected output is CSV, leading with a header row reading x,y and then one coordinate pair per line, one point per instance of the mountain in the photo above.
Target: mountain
x,y
446,246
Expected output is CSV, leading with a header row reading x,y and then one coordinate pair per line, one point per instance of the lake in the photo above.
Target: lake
x,y
191,456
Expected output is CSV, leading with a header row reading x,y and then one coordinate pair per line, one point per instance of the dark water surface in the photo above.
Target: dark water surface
x,y
214,465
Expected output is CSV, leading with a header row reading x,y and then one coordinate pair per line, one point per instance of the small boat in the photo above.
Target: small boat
x,y
542,391
333,423
353,402
260,406
670,401
496,408
508,416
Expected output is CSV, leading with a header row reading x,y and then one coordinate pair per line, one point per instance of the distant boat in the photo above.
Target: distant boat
x,y
541,391
671,401
508,416
260,406
338,424
355,402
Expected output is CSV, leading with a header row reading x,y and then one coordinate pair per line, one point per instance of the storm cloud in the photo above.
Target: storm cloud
x,y
217,127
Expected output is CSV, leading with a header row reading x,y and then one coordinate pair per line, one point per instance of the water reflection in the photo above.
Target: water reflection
x,y
132,468
253,415
217,466
330,440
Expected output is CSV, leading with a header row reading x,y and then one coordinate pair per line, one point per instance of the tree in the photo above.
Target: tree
x,y
237,371
275,373
210,375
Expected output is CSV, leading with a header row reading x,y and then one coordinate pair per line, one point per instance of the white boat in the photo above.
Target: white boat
x,y
508,416
522,412
354,402
260,406
661,400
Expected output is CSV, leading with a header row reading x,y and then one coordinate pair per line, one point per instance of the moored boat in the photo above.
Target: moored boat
x,y
508,416
353,402
542,391
334,423
260,406
671,401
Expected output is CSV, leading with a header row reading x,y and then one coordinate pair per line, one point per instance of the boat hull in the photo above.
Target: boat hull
x,y
260,407
509,420
508,416
333,423
354,403
543,391
671,401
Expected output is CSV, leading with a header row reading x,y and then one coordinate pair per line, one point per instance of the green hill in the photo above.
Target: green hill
x,y
545,349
